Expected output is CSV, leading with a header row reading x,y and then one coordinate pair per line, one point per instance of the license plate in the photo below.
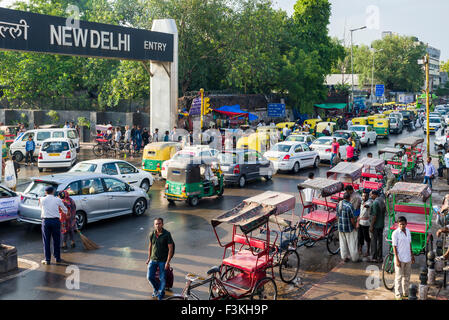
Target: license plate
x,y
54,154
32,202
273,159
224,168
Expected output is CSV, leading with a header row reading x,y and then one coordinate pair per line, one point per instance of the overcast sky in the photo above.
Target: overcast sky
x,y
427,20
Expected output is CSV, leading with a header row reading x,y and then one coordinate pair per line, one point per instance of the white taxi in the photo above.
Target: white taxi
x,y
291,155
56,153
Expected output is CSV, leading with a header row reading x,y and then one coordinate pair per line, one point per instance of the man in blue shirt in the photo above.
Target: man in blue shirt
x,y
429,170
346,229
30,146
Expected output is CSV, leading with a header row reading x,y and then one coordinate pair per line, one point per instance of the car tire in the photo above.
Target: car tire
x,y
296,168
81,220
375,141
140,206
145,185
40,169
317,162
19,156
194,201
242,181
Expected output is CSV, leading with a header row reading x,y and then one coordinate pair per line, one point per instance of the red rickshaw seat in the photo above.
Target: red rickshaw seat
x,y
328,204
371,185
395,171
244,260
320,216
413,227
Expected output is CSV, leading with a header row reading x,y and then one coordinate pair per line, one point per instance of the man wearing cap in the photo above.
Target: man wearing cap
x,y
51,225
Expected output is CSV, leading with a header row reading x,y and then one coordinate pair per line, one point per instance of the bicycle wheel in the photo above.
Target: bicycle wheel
x,y
333,241
265,289
97,150
305,236
175,298
388,271
289,266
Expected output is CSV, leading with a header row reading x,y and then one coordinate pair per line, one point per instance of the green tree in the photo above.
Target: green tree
x,y
445,66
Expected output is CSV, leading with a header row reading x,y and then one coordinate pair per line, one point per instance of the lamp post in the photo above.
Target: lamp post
x,y
425,62
372,74
352,65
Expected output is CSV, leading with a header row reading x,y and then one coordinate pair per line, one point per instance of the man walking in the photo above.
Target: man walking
x,y
51,225
335,147
429,170
403,259
156,135
346,230
30,146
377,226
160,253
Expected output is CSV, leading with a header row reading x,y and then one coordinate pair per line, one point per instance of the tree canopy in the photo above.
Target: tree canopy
x,y
244,46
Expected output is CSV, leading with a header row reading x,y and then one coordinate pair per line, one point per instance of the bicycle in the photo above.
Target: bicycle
x,y
103,148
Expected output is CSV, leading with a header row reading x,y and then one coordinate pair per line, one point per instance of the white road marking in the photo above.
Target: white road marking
x,y
34,266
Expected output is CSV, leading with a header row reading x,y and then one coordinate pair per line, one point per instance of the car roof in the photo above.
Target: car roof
x,y
101,161
240,150
61,178
57,140
290,143
344,131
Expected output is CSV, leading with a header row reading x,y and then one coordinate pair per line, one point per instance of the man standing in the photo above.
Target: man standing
x,y
286,131
377,226
335,147
356,200
145,137
429,170
160,253
51,225
117,137
403,259
346,230
156,135
30,146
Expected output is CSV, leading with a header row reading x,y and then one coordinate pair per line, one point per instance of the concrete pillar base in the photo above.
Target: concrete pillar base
x,y
8,258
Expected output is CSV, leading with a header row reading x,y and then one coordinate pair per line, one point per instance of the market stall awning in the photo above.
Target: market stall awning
x,y
331,106
235,111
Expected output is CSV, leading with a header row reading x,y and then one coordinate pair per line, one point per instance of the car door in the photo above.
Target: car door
x,y
263,165
39,138
250,165
94,199
298,155
372,134
128,173
308,155
120,202
110,168
310,140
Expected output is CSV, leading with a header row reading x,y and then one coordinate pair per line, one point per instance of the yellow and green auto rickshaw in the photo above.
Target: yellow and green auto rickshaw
x,y
362,121
259,141
382,127
322,125
281,125
193,179
156,153
371,119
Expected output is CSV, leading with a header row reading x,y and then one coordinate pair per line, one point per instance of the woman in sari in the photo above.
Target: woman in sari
x,y
68,220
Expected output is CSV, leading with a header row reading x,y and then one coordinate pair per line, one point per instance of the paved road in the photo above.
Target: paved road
x,y
117,270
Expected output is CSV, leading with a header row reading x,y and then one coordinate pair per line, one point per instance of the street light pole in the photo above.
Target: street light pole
x,y
427,58
352,66
372,75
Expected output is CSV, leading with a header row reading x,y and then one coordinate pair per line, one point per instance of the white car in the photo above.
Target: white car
x,y
366,134
292,155
189,152
435,124
323,146
119,169
56,153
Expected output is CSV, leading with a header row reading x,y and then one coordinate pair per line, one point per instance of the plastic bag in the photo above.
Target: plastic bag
x,y
10,175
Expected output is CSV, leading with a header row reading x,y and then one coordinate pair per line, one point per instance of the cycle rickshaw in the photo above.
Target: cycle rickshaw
x,y
321,221
392,156
372,177
414,150
409,200
348,173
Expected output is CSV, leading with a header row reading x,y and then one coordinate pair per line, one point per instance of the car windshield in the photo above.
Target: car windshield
x,y
55,146
84,167
227,158
37,188
281,148
393,120
324,141
342,135
358,129
434,120
184,155
296,138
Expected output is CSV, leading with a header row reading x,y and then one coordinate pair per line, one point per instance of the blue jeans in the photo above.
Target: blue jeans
x,y
158,286
332,159
428,180
51,228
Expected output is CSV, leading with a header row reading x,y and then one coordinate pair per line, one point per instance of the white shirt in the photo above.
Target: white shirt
x,y
50,206
309,194
402,243
365,213
118,135
286,131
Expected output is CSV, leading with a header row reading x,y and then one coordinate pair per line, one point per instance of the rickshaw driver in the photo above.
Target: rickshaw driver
x,y
444,230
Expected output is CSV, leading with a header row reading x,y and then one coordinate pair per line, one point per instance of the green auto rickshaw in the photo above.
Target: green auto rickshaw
x,y
192,179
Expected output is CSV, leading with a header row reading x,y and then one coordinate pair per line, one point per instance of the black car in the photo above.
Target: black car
x,y
242,165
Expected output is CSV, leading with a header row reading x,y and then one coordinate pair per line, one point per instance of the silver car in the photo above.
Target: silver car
x,y
97,197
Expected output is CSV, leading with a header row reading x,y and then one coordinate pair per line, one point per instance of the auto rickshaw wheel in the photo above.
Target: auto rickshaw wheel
x,y
193,201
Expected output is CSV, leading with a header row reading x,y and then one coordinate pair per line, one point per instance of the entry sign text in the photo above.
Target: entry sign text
x,y
25,31
195,110
276,110
380,90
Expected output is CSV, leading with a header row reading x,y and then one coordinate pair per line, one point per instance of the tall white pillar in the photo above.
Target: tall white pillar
x,y
164,83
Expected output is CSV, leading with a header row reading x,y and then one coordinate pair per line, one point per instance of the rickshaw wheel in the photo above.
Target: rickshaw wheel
x,y
193,201
289,266
388,271
333,241
265,289
175,298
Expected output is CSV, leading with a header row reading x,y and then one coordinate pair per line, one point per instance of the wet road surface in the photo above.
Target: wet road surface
x,y
118,271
